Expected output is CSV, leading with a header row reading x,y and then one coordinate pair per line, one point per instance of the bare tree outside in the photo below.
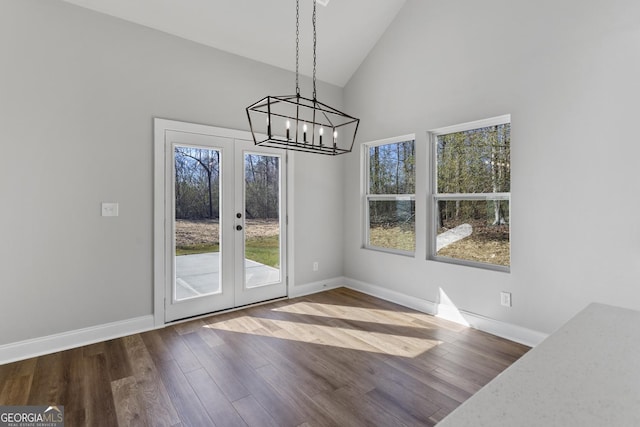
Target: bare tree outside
x,y
262,209
197,204
197,200
391,196
474,169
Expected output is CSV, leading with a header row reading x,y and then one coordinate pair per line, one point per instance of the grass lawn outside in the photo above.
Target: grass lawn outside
x,y
480,249
202,248
388,237
488,244
202,236
265,250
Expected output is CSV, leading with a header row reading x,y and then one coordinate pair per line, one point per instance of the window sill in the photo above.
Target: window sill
x,y
390,251
474,264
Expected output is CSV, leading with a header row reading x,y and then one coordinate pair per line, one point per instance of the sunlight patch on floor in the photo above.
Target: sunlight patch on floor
x,y
336,336
387,317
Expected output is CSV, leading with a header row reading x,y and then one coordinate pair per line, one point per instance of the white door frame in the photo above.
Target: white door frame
x,y
161,126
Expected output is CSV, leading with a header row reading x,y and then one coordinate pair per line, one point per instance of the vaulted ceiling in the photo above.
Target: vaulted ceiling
x,y
264,30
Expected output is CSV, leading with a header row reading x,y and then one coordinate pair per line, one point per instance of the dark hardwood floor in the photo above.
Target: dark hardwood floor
x,y
337,358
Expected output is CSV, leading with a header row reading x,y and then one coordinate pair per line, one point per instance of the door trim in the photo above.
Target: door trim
x,y
160,127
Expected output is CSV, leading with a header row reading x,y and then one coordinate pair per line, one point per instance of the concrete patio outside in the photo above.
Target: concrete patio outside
x,y
199,274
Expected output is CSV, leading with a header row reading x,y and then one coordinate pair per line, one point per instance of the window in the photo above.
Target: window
x,y
389,195
471,193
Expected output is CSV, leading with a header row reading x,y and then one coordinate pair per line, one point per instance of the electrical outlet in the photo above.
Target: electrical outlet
x,y
315,266
505,299
109,209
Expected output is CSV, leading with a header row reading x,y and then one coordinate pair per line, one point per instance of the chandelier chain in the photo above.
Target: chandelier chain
x,y
315,38
297,47
297,123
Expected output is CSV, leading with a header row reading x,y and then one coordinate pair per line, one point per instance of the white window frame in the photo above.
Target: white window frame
x,y
436,197
367,197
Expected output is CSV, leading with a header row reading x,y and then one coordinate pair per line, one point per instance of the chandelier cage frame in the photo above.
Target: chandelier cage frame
x,y
293,122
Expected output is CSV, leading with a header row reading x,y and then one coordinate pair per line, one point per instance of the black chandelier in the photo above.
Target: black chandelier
x,y
296,123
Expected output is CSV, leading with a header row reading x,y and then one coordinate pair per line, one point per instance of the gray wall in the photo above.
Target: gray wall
x,y
78,91
567,72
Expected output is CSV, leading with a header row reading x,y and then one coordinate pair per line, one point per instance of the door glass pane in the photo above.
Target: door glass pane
x,y
197,220
262,219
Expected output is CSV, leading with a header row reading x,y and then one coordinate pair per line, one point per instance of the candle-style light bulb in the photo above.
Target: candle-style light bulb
x,y
304,132
288,127
335,138
320,132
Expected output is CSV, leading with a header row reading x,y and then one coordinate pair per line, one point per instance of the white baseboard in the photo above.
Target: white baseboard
x,y
71,339
509,331
422,305
66,340
505,330
314,287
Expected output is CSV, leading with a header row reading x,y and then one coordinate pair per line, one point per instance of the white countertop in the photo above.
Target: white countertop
x,y
585,374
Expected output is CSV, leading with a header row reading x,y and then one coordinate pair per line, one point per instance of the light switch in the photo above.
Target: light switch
x,y
109,209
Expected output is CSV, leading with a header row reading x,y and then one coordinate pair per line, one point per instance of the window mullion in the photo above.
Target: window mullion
x,y
472,196
391,197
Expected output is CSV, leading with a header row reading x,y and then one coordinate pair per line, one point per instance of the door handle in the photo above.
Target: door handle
x,y
238,227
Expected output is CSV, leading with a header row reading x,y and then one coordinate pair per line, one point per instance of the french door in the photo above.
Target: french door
x,y
225,227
